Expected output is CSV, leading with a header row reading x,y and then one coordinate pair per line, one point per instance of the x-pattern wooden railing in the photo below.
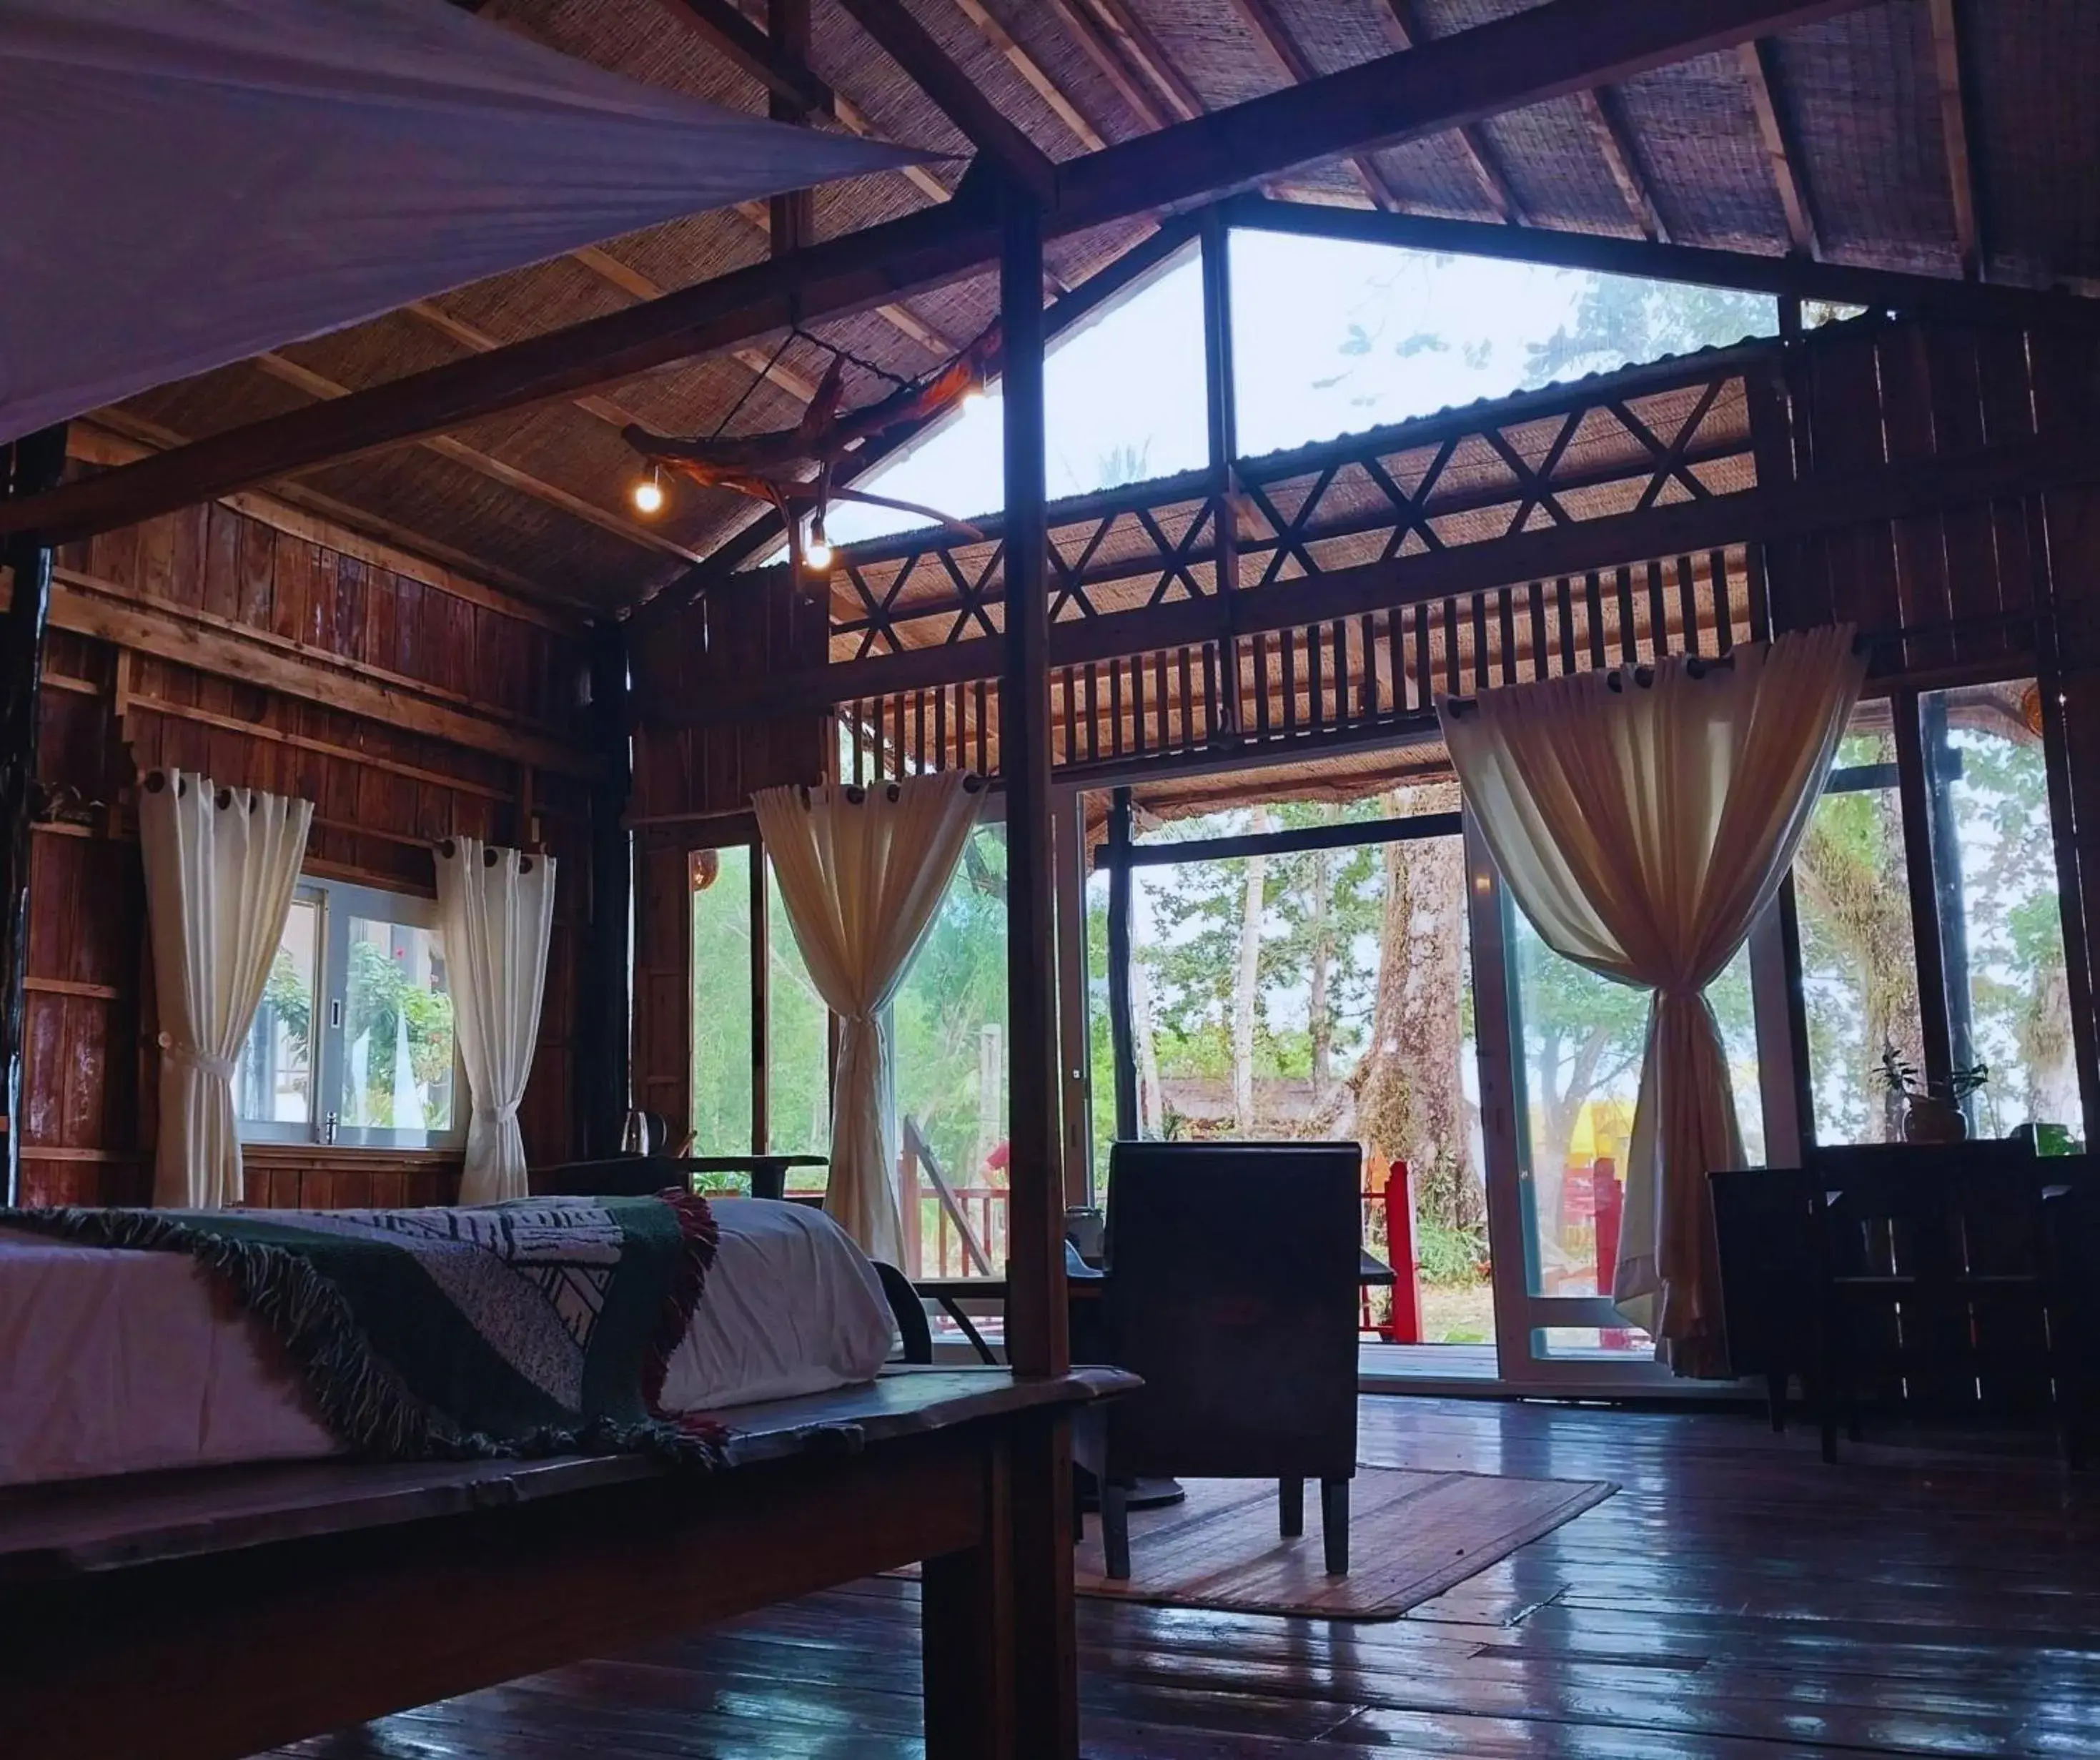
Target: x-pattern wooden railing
x,y
1549,459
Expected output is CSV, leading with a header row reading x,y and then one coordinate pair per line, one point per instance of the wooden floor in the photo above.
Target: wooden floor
x,y
1737,1599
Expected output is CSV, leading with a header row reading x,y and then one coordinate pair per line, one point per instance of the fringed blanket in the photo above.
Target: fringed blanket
x,y
531,1328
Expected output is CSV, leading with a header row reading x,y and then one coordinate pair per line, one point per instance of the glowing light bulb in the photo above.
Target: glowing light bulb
x,y
974,398
817,553
649,494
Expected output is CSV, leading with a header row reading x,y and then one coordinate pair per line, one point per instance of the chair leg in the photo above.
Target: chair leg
x,y
1775,1398
1334,1524
1115,1531
1290,1507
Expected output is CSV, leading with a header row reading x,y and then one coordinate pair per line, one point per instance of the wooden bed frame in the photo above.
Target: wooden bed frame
x,y
209,1615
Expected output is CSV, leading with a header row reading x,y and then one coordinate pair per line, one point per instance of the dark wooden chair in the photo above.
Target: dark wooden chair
x,y
1930,1287
1764,1226
1231,1286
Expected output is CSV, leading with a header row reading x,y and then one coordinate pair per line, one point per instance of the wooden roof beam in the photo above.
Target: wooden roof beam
x,y
1290,61
1549,51
1760,67
1403,26
1137,44
1615,142
1961,144
487,465
961,99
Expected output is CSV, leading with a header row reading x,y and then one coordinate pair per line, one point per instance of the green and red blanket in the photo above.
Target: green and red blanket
x,y
542,1326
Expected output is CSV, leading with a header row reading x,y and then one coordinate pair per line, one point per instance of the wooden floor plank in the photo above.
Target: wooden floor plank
x,y
1738,1601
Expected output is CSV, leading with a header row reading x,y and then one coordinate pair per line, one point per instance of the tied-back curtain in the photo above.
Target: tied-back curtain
x,y
1642,821
860,875
222,864
496,911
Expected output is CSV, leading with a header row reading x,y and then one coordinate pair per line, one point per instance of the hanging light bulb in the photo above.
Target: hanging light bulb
x,y
817,553
649,491
974,398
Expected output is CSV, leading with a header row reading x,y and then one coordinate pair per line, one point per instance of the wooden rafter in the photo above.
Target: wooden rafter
x,y
1615,143
1549,51
960,98
1061,102
319,386
1403,27
1084,25
790,217
1954,129
1760,67
1291,60
1139,47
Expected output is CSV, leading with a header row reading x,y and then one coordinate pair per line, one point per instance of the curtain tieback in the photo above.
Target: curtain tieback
x,y
497,1115
187,1057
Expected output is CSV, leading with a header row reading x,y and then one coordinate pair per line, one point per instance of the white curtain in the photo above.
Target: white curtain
x,y
222,864
496,911
186,183
1643,822
860,875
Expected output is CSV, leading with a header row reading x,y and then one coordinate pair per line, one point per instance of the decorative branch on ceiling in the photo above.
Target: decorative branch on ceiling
x,y
791,468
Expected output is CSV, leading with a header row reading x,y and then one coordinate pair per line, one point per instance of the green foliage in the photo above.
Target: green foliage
x,y
1448,1255
1619,322
378,994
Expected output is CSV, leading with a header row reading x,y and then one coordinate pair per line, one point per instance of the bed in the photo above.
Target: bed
x,y
115,1362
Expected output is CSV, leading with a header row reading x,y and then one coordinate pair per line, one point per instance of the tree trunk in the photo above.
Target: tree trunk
x,y
1151,1103
1246,984
1410,1103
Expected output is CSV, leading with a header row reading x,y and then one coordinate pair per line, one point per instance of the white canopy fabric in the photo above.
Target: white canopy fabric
x,y
188,182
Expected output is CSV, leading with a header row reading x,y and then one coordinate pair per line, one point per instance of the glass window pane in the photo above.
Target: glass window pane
x,y
798,1062
949,1015
1321,994
1123,402
1333,338
1583,1037
722,1001
1859,966
273,1083
1995,865
398,1049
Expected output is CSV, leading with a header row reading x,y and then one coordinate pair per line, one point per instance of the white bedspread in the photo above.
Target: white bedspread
x,y
122,1362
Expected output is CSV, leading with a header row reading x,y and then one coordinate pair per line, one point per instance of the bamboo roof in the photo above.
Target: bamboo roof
x,y
1862,104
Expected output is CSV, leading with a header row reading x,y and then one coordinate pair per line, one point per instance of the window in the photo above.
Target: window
x,y
1123,403
2001,932
352,1044
1858,970
1316,990
797,1023
949,1017
1333,338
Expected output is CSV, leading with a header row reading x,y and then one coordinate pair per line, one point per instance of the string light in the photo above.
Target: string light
x,y
649,492
817,553
974,398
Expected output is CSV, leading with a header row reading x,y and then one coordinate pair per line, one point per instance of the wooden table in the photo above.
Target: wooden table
x,y
210,1615
769,1173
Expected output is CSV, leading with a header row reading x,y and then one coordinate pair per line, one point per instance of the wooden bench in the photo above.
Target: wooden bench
x,y
209,1615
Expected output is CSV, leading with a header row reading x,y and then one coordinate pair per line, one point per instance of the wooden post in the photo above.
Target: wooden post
x,y
1046,1695
1123,1037
1221,401
762,1002
30,466
605,1007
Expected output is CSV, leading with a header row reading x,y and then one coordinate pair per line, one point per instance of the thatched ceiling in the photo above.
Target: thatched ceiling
x,y
1687,153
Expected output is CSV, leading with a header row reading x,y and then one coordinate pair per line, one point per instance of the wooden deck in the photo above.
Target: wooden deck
x,y
1738,1600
